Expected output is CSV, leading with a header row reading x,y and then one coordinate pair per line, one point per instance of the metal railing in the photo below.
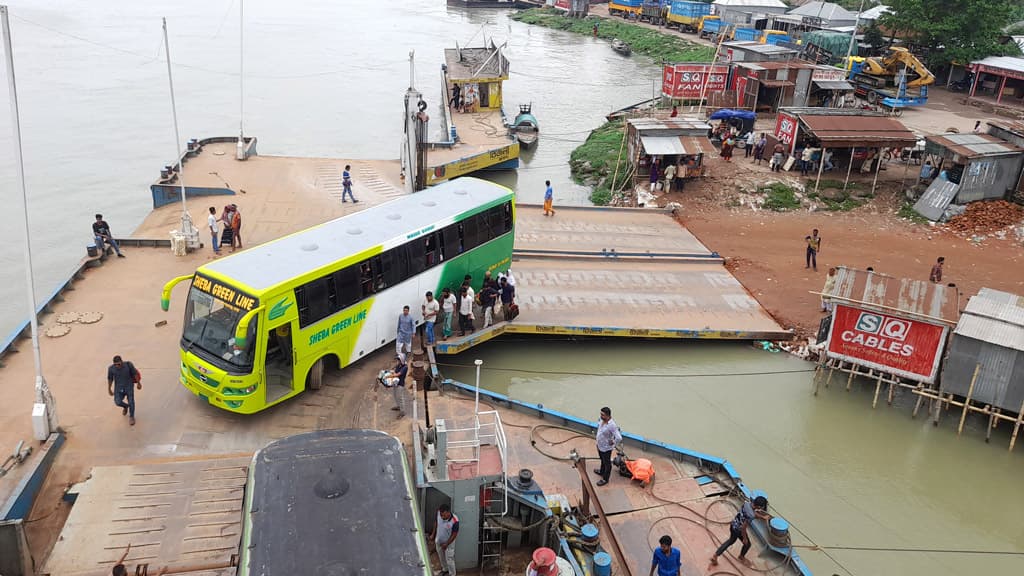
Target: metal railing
x,y
464,444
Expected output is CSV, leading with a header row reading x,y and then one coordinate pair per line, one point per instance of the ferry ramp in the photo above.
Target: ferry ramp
x,y
621,272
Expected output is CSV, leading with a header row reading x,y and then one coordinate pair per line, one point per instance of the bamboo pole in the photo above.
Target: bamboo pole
x,y
1016,426
848,170
849,380
920,400
878,387
967,401
892,389
625,134
831,371
817,379
878,167
992,419
821,166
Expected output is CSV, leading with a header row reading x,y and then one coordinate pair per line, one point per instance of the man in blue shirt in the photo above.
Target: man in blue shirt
x,y
667,559
346,185
549,196
406,327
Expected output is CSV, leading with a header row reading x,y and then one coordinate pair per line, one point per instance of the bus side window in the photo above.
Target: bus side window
x,y
379,282
366,278
451,241
347,286
417,258
483,223
496,217
430,250
316,295
471,233
507,215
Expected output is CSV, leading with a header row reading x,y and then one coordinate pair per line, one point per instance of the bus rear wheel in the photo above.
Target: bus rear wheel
x,y
315,378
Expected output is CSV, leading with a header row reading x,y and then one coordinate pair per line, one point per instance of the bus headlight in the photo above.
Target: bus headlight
x,y
238,391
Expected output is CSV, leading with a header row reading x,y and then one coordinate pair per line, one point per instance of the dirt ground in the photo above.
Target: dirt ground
x,y
765,250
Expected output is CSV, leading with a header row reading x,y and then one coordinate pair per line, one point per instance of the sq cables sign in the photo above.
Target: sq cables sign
x,y
688,81
907,348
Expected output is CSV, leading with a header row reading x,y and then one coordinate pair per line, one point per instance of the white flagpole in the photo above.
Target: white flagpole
x,y
186,219
241,78
42,391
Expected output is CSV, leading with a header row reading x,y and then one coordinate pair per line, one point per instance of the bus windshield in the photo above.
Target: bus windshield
x,y
210,326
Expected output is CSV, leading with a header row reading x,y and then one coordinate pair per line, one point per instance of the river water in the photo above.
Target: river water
x,y
326,78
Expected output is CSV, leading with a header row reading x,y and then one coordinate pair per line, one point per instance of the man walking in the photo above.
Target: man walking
x,y
446,530
406,327
122,380
448,302
211,220
430,310
813,247
936,275
101,232
751,142
488,296
667,559
670,175
549,196
508,294
465,310
346,184
738,528
608,437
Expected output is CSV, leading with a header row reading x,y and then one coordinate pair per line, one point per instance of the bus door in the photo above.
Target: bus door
x,y
279,361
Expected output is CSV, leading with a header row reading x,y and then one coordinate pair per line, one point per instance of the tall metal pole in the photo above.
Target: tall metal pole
x,y
42,391
476,402
186,220
853,36
241,71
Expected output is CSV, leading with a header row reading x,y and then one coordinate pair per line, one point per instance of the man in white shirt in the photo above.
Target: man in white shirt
x,y
448,309
430,309
214,229
608,437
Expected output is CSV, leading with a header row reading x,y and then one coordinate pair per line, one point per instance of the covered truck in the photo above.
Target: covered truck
x,y
686,16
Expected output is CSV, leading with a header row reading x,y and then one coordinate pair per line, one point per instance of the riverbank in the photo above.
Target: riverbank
x,y
657,45
594,162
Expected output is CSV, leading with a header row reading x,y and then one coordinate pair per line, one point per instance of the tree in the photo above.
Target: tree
x,y
873,37
951,30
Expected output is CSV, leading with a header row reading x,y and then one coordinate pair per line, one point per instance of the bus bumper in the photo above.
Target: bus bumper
x,y
198,381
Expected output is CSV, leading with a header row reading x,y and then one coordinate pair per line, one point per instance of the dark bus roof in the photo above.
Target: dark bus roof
x,y
333,502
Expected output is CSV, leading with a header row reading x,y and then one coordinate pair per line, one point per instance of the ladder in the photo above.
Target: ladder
x,y
491,535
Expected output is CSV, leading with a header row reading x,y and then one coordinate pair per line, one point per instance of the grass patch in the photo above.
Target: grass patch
x,y
830,183
907,211
657,45
594,161
781,198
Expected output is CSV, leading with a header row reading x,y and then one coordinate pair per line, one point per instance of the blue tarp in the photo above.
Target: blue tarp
x,y
729,114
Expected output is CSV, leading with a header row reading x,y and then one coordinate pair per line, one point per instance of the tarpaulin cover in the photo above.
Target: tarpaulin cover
x,y
728,114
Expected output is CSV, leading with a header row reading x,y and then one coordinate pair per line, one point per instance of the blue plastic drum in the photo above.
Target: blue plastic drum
x,y
602,564
589,532
778,525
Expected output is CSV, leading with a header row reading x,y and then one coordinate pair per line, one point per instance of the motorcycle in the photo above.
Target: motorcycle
x,y
963,84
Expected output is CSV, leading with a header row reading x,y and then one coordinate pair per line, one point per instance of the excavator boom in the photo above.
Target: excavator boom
x,y
889,65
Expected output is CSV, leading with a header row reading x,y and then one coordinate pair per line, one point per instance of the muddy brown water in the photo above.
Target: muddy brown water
x,y
326,79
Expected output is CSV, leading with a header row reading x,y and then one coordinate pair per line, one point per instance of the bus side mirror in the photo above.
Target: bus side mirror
x,y
165,295
242,330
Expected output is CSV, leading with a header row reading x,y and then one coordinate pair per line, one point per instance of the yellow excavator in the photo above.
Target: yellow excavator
x,y
896,80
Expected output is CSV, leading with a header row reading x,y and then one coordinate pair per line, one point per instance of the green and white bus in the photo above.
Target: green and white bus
x,y
262,325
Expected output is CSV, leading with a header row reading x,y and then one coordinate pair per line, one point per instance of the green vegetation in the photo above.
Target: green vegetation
x,y
907,211
657,45
952,30
830,183
832,196
593,162
781,198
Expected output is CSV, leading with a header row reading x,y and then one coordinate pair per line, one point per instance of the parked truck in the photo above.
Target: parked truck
x,y
626,8
686,16
655,11
745,35
711,25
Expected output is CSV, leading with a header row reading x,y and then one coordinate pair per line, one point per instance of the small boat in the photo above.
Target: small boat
x,y
621,47
526,127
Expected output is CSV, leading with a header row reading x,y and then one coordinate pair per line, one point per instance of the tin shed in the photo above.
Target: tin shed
x,y
990,334
985,167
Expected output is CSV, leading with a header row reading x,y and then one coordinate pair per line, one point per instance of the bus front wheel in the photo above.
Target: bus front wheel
x,y
315,378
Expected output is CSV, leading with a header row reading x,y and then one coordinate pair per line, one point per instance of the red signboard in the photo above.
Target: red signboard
x,y
689,81
899,346
785,130
563,4
741,91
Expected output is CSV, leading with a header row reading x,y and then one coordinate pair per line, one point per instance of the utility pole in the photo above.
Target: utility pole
x,y
240,151
187,229
42,391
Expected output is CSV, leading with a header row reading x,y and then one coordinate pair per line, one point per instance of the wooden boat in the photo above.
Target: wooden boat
x,y
621,47
526,127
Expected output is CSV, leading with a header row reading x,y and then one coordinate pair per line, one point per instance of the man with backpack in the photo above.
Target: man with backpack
x,y
123,378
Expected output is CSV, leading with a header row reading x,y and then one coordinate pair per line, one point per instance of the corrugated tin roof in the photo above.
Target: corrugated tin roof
x,y
1014,126
823,10
751,3
833,84
991,331
759,48
1015,63
776,64
973,145
874,13
675,145
681,123
998,305
858,130
902,296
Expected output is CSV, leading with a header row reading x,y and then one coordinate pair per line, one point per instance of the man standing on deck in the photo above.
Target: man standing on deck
x,y
101,231
122,379
346,184
448,302
738,529
430,309
406,326
608,437
667,559
446,530
211,221
549,197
